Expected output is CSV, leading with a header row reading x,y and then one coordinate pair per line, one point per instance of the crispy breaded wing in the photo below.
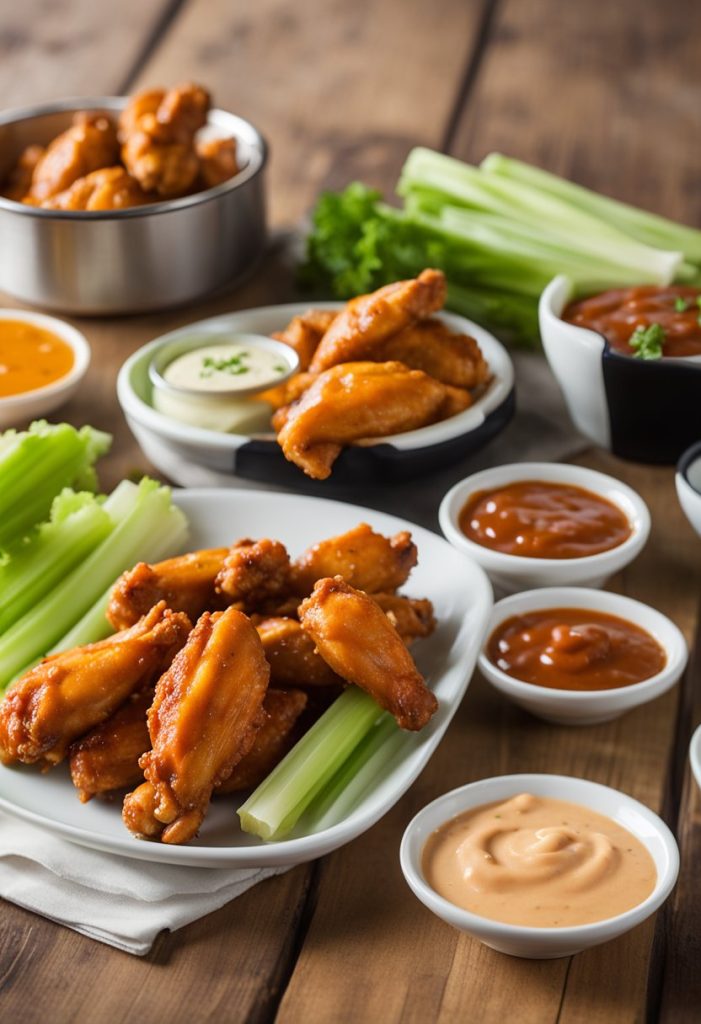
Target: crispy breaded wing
x,y
283,394
370,319
355,637
431,346
254,573
107,758
411,617
354,401
273,740
70,693
89,144
110,188
292,654
365,559
18,181
218,161
185,583
204,719
303,333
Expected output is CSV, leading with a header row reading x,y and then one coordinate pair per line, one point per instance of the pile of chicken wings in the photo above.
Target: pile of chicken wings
x,y
382,365
221,658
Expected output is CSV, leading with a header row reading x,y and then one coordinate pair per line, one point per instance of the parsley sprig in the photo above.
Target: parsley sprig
x,y
648,342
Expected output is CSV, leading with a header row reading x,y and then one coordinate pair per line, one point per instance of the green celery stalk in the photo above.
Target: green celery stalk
x,y
78,523
640,224
36,464
144,510
274,808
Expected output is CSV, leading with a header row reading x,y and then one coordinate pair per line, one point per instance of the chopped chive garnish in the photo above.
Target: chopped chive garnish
x,y
232,365
681,305
648,341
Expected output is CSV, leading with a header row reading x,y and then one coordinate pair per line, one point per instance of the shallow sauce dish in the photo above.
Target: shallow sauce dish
x,y
28,405
509,572
462,598
587,707
258,456
520,940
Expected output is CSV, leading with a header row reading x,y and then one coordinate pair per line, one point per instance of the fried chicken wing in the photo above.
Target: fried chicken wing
x,y
273,740
107,758
355,637
412,618
370,319
89,144
431,346
282,395
19,180
110,188
303,333
70,693
218,161
185,583
158,139
204,719
292,655
354,401
365,559
254,573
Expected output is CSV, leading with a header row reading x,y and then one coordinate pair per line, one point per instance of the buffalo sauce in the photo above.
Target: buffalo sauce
x,y
539,519
30,357
617,313
575,649
539,862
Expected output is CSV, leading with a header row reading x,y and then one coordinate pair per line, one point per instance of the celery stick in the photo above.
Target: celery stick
x,y
36,464
141,526
274,808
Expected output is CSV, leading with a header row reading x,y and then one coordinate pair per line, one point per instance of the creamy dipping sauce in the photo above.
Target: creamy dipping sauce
x,y
539,519
538,862
225,368
31,357
575,649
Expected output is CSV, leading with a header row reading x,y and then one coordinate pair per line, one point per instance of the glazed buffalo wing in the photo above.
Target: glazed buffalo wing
x,y
353,401
19,180
110,188
292,655
431,346
204,719
89,144
355,637
273,740
107,758
254,573
365,559
303,333
412,618
70,693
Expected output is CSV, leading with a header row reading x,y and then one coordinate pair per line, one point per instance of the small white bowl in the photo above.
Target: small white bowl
x,y
541,943
688,481
511,573
695,755
573,707
29,405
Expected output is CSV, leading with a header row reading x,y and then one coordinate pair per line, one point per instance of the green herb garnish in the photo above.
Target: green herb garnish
x,y
681,305
648,341
233,365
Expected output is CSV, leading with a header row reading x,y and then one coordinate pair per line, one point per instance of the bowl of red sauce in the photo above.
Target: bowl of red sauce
x,y
42,362
577,656
628,362
539,524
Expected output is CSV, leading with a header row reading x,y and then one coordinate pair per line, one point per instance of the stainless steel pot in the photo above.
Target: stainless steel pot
x,y
133,260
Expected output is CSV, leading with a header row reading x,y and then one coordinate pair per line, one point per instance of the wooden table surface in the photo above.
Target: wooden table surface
x,y
605,93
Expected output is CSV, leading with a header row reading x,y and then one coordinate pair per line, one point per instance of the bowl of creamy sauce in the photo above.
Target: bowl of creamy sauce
x,y
539,865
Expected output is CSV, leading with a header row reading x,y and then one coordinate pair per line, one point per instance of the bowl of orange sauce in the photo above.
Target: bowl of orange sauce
x,y
578,657
42,362
540,524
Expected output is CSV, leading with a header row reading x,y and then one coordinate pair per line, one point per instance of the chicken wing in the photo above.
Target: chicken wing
x,y
89,144
292,655
185,583
370,319
218,161
282,395
355,637
273,740
158,138
204,719
411,617
303,333
110,188
365,559
107,758
70,693
354,401
255,573
19,180
431,346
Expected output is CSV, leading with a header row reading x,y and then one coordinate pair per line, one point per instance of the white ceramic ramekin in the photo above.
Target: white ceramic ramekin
x,y
541,943
688,481
17,409
571,707
695,755
511,573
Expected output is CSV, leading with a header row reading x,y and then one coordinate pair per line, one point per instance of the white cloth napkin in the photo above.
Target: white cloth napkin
x,y
122,902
